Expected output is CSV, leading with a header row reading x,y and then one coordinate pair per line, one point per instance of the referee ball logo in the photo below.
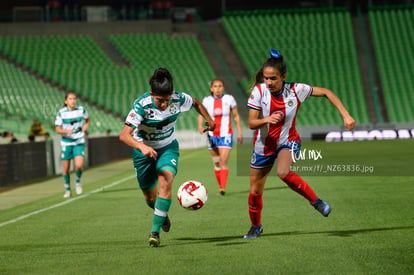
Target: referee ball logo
x,y
253,159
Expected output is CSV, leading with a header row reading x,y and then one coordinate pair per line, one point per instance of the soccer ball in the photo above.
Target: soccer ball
x,y
192,195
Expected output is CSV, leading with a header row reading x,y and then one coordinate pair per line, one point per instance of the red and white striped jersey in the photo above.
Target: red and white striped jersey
x,y
220,110
268,138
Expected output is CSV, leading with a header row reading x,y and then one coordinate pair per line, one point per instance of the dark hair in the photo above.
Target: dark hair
x,y
275,61
66,97
161,82
214,80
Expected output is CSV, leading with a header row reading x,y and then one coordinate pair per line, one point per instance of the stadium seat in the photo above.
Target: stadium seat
x,y
77,63
392,33
313,44
23,98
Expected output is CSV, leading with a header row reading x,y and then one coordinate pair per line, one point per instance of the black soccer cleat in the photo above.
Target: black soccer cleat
x,y
322,207
154,239
254,232
166,225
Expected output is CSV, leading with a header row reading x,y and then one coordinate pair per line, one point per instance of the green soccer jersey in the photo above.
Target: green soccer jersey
x,y
152,126
72,120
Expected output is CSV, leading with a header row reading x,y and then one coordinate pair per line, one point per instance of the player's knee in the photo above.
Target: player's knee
x,y
216,161
166,176
150,201
282,172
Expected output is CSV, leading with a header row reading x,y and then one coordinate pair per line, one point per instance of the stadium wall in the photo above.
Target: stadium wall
x,y
22,163
106,149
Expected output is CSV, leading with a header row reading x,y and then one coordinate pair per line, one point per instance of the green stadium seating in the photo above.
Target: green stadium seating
x,y
392,32
313,45
78,64
25,96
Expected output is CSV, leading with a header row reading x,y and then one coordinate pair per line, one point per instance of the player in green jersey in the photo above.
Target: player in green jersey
x,y
149,130
72,122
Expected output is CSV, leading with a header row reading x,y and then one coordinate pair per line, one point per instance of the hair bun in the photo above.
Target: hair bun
x,y
275,54
161,73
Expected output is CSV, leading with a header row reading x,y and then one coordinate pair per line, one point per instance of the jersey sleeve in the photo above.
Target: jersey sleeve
x,y
254,101
58,120
233,102
303,91
135,116
186,102
85,114
204,102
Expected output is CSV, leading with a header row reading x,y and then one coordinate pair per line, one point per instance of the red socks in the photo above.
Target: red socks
x,y
224,173
294,181
255,208
297,184
221,176
218,177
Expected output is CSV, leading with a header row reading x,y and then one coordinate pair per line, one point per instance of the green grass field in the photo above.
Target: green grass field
x,y
104,231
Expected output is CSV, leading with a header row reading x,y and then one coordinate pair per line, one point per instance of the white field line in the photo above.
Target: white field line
x,y
80,197
66,201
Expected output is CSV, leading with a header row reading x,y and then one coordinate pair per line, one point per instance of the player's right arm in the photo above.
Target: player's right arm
x,y
61,131
127,138
58,126
256,121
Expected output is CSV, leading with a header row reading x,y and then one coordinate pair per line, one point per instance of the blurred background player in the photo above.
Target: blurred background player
x,y
273,105
36,129
8,137
72,122
149,130
221,106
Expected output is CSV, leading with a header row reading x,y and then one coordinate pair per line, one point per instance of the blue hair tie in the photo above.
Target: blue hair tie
x,y
275,54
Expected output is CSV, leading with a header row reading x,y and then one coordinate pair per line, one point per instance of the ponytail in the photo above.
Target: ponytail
x,y
275,61
258,78
161,82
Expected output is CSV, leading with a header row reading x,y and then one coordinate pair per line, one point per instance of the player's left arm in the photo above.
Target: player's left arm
x,y
200,124
211,125
349,122
236,118
86,125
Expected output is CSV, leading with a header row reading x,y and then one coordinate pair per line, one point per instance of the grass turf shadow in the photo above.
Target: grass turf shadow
x,y
337,233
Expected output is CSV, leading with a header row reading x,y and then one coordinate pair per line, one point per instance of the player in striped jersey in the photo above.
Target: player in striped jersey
x,y
149,130
220,141
72,122
273,105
